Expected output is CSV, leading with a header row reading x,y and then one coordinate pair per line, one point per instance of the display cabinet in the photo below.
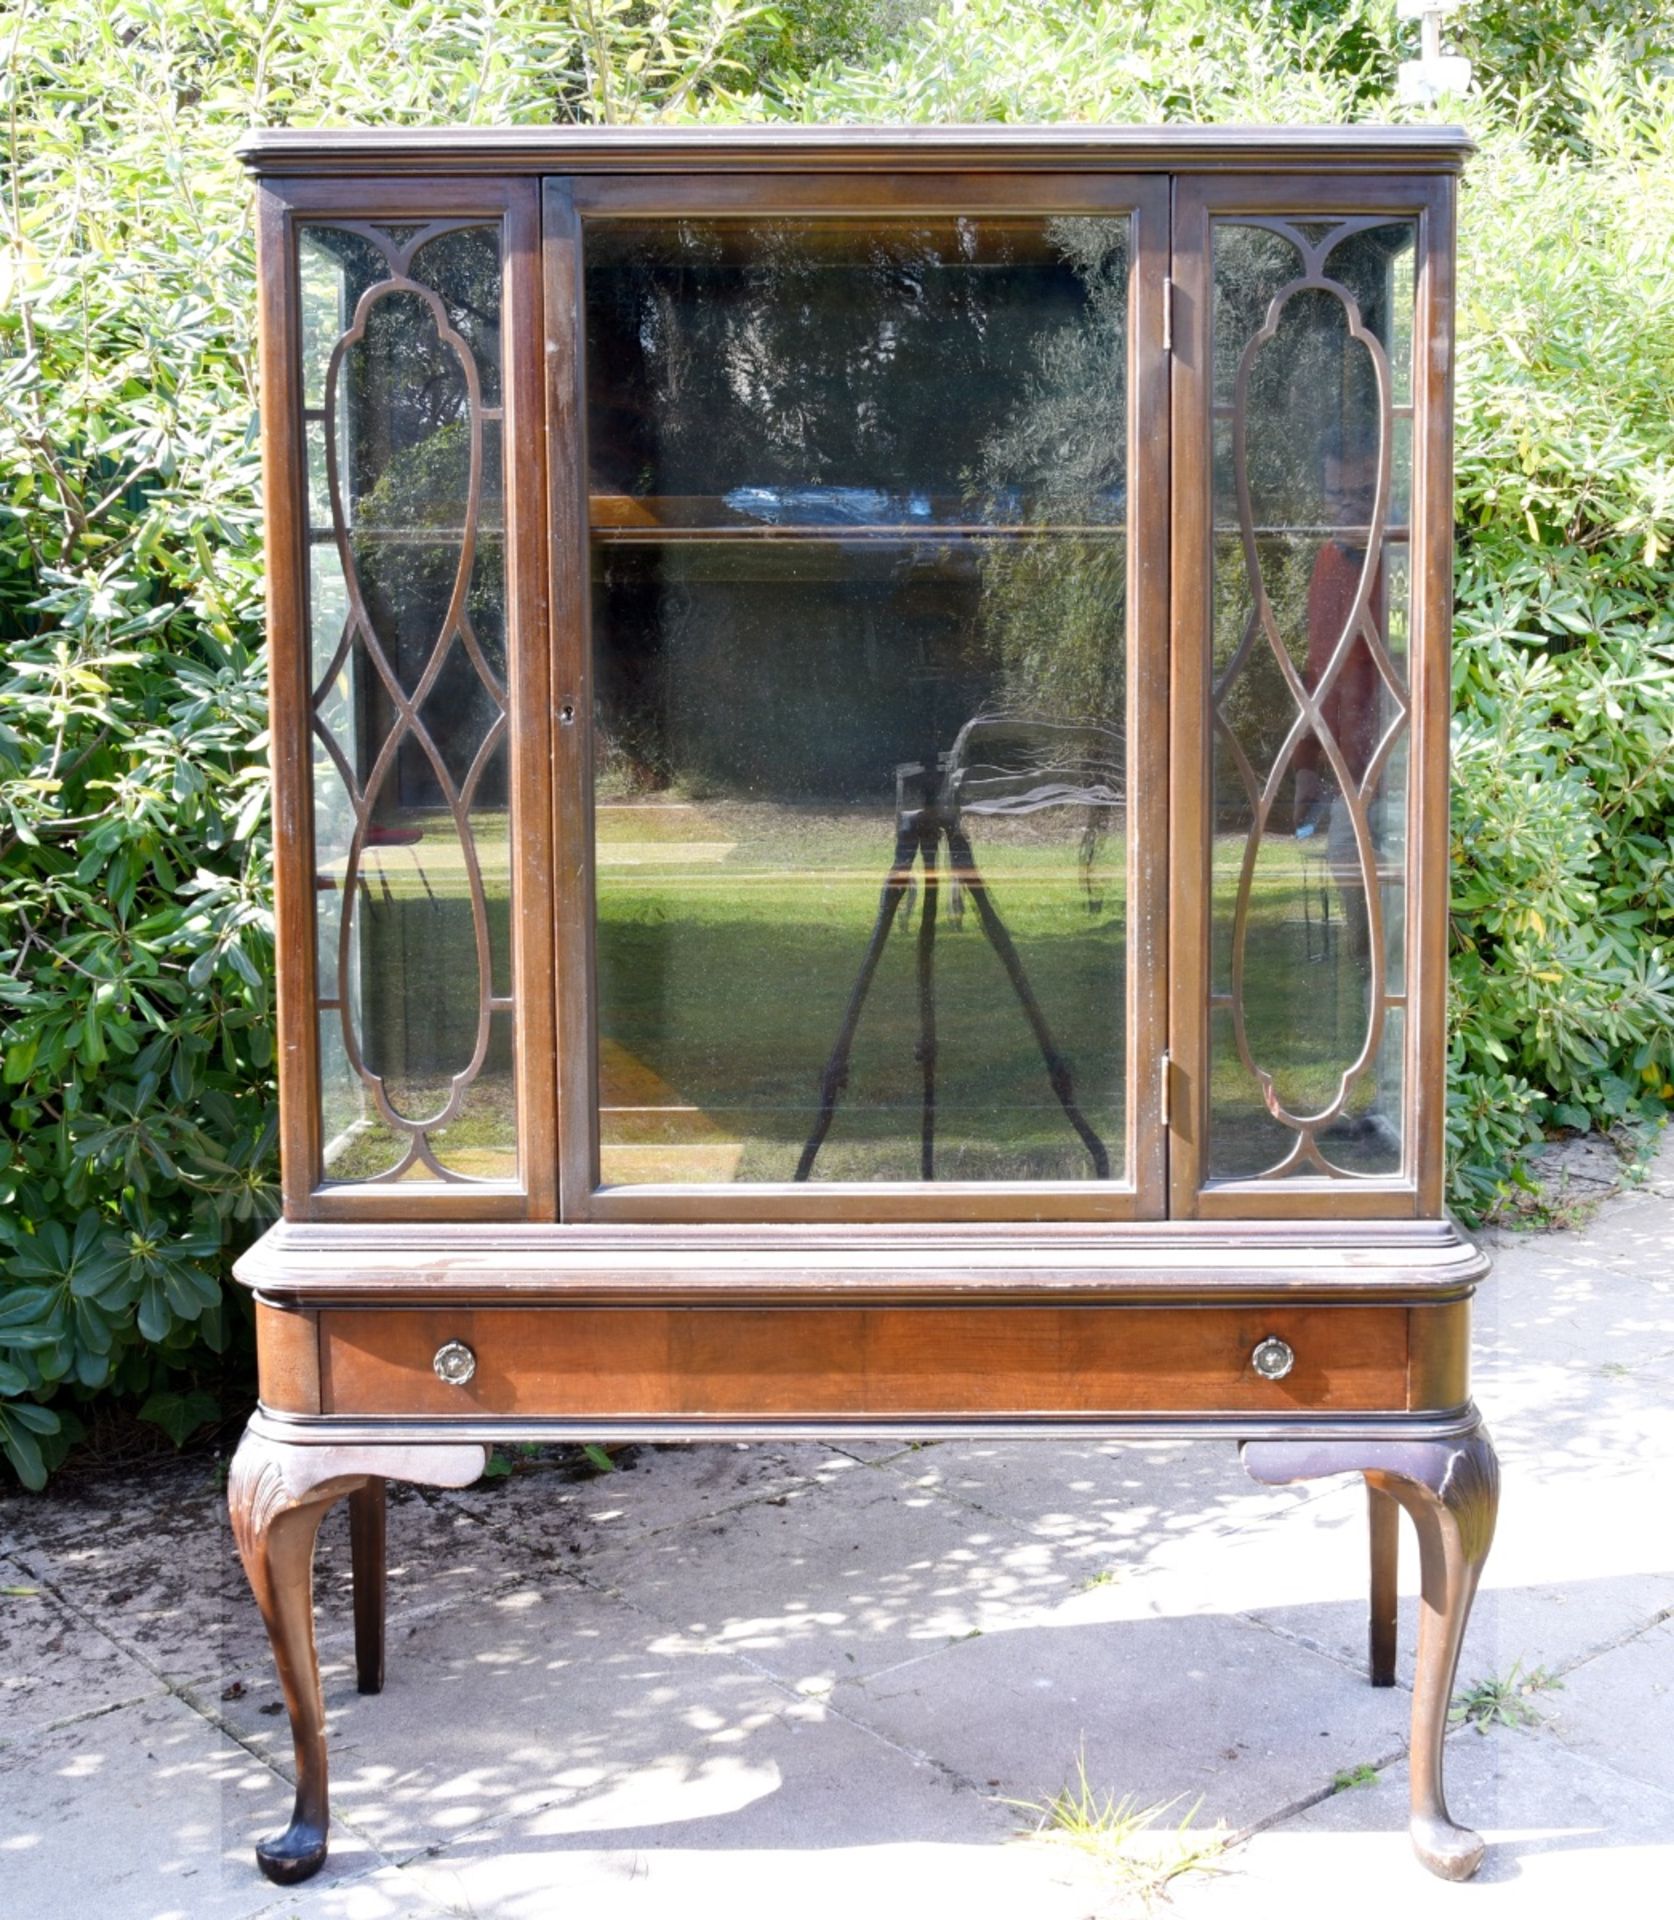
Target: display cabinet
x,y
860,752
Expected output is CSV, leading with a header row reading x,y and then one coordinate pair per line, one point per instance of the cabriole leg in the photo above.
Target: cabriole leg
x,y
278,1493
1450,1488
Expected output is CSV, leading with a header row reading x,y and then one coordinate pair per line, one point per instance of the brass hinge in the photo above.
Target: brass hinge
x,y
1167,1089
1168,316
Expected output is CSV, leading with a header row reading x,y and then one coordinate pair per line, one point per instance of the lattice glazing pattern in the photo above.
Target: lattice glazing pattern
x,y
1312,422
402,414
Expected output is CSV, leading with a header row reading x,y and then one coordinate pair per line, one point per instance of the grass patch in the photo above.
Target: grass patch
x,y
1124,1838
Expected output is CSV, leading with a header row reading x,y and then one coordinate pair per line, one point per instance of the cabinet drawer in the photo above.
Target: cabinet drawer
x,y
697,1362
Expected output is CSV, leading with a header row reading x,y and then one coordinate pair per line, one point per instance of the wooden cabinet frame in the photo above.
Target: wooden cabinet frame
x,y
403,1325
543,224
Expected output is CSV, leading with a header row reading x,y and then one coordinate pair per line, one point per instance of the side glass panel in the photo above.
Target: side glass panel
x,y
859,549
406,550
1312,421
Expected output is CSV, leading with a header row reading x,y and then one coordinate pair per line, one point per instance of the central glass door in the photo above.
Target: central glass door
x,y
865,671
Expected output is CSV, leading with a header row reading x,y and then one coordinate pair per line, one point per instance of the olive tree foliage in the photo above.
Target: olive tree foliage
x,y
136,946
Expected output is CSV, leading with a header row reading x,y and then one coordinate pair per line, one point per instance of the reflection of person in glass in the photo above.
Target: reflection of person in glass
x,y
1355,709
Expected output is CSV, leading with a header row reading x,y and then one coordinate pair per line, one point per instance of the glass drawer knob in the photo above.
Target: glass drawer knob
x,y
1272,1359
455,1363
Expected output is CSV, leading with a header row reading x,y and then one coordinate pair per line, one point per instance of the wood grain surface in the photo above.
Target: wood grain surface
x,y
791,1361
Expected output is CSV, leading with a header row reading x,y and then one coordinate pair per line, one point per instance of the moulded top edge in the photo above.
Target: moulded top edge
x,y
384,150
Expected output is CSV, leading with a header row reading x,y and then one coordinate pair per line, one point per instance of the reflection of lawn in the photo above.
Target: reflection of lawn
x,y
418,994
1305,1004
481,1143
429,858
726,976
729,937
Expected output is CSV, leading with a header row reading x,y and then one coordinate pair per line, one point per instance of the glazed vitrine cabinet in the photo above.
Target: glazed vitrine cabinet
x,y
859,732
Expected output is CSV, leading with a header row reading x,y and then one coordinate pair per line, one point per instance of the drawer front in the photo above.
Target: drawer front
x,y
697,1362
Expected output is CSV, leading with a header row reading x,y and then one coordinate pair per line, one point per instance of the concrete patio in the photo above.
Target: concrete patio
x,y
811,1679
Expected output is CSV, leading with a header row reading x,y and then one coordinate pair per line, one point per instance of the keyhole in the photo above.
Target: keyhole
x,y
566,714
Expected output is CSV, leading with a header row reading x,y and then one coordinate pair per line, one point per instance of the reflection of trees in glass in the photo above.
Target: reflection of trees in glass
x,y
811,353
1059,630
834,374
1053,607
1307,389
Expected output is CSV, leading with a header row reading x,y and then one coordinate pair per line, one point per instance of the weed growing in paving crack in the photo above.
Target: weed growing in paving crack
x,y
1503,1702
1365,1775
1123,1837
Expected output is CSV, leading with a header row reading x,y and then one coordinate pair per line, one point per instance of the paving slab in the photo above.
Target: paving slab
x,y
1565,1836
556,1705
1169,1710
1604,1294
1569,1575
836,1579
380,1893
55,1667
1587,1447
874,1452
1114,1497
748,1680
144,1813
1575,1424
1619,1708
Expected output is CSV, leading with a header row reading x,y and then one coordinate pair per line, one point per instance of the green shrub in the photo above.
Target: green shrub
x,y
1563,890
136,1105
137,1097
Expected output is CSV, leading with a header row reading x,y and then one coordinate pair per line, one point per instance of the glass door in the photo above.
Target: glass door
x,y
869,644
409,698
1300,661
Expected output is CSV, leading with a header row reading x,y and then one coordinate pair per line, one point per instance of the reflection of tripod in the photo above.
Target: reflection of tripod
x,y
919,832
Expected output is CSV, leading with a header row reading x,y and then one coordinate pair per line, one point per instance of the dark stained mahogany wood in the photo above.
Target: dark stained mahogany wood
x,y
278,1495
1199,200
513,206
368,1513
279,345
1321,152
532,709
1384,1517
567,204
572,669
1127,1306
844,195
1432,688
1184,1263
